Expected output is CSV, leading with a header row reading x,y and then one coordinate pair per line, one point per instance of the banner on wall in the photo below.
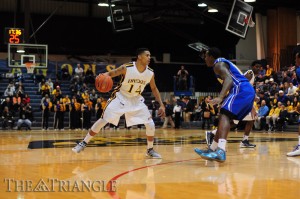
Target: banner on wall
x,y
55,67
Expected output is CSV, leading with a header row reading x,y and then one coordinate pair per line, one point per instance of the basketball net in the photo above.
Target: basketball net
x,y
30,67
249,21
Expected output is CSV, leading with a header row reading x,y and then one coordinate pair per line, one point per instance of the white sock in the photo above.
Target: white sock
x,y
214,131
222,144
299,139
88,137
214,145
245,137
149,144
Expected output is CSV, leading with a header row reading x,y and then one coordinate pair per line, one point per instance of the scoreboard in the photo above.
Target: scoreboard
x,y
13,35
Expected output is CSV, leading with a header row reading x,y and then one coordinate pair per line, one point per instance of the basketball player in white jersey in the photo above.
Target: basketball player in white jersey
x,y
127,99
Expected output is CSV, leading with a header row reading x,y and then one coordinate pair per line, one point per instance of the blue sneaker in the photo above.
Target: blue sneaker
x,y
209,136
200,151
218,155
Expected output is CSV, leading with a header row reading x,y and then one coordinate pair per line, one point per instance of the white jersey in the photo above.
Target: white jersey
x,y
134,81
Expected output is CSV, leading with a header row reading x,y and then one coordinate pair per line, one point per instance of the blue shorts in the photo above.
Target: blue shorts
x,y
239,101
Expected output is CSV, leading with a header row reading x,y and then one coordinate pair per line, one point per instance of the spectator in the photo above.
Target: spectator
x,y
7,103
292,112
79,73
67,103
153,107
169,113
65,75
286,78
282,97
182,77
20,91
85,95
10,90
50,84
207,108
45,90
59,110
269,71
75,110
26,99
56,83
98,107
291,91
46,107
188,109
86,109
177,111
283,116
262,96
261,74
16,102
294,79
273,115
25,117
89,76
93,97
74,87
41,83
8,119
261,116
57,92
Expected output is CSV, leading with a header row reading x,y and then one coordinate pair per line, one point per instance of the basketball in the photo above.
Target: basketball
x,y
103,83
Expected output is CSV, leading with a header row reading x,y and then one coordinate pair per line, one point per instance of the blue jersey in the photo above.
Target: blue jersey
x,y
239,101
236,74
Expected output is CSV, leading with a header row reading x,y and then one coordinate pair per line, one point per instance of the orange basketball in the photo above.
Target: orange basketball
x,y
103,83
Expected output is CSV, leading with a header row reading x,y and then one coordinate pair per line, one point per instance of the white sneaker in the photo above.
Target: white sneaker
x,y
153,154
79,147
295,152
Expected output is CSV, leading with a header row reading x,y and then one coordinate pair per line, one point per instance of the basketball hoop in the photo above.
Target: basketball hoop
x,y
30,67
250,22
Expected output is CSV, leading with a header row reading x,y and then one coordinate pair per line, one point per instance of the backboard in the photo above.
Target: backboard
x,y
120,15
20,54
236,22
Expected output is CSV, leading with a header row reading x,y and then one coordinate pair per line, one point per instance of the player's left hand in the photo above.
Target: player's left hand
x,y
216,100
161,111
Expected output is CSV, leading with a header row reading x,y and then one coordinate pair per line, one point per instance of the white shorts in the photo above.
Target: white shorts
x,y
247,118
135,110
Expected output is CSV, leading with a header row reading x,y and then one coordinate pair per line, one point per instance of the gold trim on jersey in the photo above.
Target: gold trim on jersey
x,y
113,95
130,64
108,102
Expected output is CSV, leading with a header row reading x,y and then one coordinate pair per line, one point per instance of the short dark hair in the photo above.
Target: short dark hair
x,y
141,50
214,52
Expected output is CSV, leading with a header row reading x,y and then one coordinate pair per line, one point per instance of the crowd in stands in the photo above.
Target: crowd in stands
x,y
277,102
15,105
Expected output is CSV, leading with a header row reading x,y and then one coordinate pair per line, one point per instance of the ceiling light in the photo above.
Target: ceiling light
x,y
249,1
104,4
210,9
202,5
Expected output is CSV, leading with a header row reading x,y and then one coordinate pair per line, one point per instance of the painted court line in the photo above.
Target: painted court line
x,y
114,195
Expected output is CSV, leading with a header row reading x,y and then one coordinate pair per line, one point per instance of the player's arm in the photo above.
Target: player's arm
x,y
156,94
117,72
222,70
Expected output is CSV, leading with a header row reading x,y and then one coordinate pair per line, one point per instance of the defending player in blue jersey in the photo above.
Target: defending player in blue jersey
x,y
236,99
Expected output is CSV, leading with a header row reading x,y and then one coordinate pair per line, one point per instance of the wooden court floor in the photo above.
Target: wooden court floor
x,y
41,165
